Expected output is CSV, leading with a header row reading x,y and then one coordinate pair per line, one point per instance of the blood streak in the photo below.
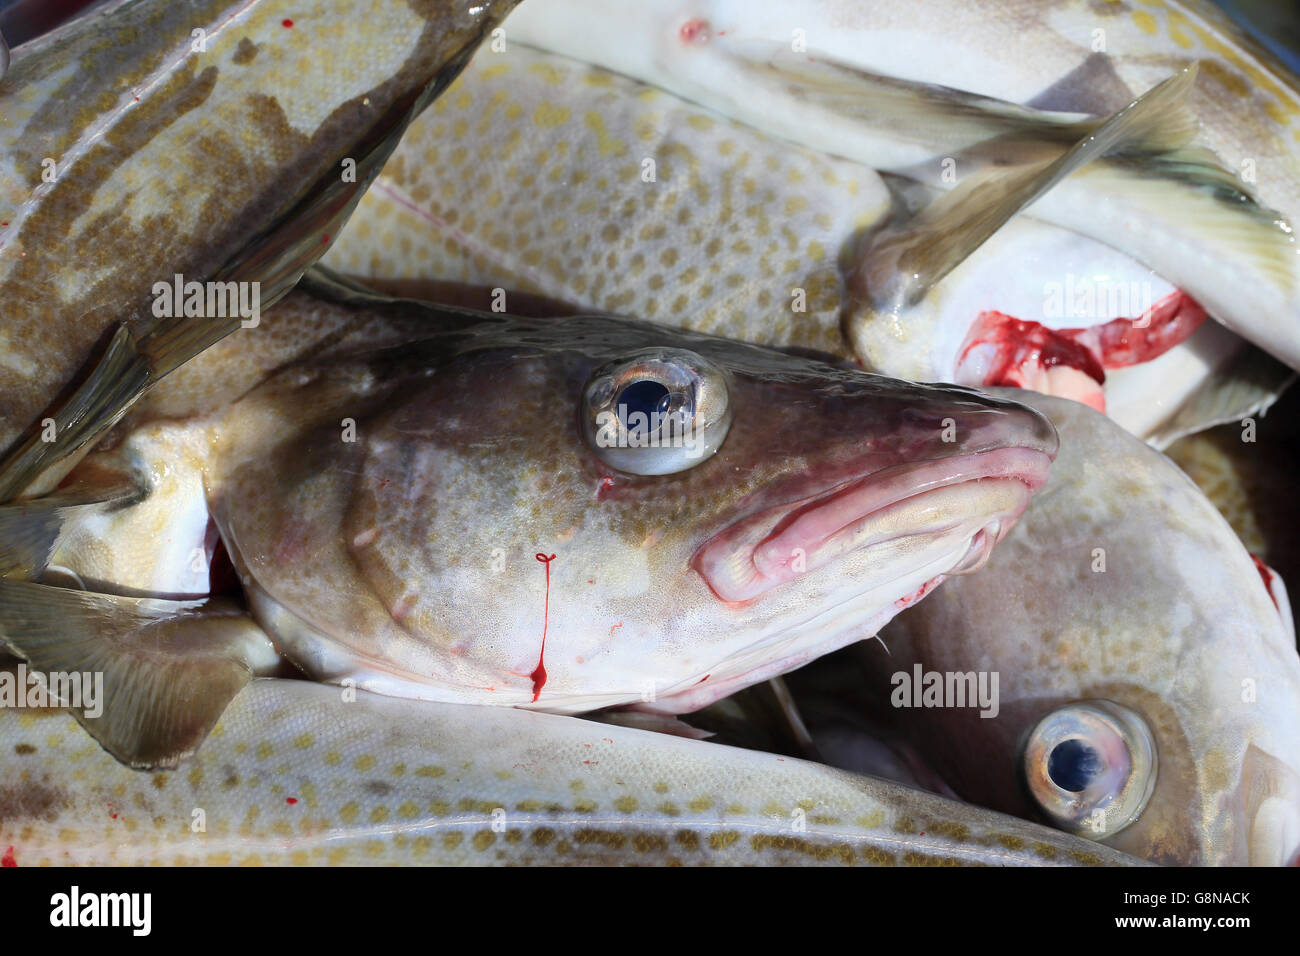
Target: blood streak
x,y
9,859
291,800
287,24
539,675
1004,350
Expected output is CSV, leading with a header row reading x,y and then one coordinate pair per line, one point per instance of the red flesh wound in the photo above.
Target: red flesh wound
x,y
8,859
1020,344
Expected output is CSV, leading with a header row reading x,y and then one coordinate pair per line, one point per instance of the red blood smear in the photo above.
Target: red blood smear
x,y
1267,575
291,800
1021,343
606,483
1116,344
8,859
539,675
694,31
287,24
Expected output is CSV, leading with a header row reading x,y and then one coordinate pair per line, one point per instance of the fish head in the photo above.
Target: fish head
x,y
523,538
1146,685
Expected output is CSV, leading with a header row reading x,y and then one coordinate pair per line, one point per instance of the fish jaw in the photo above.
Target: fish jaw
x,y
775,546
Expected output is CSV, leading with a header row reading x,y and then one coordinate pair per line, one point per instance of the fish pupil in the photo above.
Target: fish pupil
x,y
645,396
1073,765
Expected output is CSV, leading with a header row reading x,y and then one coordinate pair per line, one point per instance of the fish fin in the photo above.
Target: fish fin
x,y
1247,385
900,263
863,96
915,109
1094,86
168,668
1220,205
36,465
275,261
29,529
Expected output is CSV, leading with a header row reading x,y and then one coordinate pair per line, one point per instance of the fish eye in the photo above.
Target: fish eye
x,y
656,411
1090,767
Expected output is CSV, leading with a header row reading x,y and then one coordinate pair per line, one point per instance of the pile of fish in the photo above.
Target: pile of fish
x,y
643,432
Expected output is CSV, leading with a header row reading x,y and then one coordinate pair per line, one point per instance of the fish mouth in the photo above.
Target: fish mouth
x,y
782,543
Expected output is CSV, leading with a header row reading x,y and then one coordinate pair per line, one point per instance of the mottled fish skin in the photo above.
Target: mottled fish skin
x,y
1237,259
528,175
294,775
172,155
405,559
1178,627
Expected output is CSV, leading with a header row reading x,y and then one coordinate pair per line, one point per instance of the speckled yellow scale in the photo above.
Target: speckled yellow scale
x,y
233,812
543,175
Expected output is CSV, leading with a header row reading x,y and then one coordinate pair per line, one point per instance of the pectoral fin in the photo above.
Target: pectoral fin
x,y
900,263
168,668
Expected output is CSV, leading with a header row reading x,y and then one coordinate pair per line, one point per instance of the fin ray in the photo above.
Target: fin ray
x,y
169,668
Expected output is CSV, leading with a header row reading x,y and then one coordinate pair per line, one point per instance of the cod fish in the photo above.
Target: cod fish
x,y
561,514
546,176
165,173
933,91
1147,683
297,773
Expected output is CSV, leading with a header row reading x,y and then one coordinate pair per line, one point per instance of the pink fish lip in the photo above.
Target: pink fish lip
x,y
783,541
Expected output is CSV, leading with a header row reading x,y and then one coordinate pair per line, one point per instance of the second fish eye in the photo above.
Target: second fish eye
x,y
1090,767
